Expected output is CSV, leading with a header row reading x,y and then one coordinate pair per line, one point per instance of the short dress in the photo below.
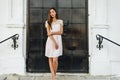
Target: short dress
x,y
50,50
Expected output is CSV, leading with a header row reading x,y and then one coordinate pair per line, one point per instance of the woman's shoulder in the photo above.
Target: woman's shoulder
x,y
46,23
60,21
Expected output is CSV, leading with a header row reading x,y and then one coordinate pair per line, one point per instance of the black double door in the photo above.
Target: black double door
x,y
75,37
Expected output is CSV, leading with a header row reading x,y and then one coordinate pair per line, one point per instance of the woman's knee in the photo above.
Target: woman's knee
x,y
50,59
55,60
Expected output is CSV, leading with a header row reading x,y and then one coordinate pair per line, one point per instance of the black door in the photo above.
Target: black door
x,y
75,37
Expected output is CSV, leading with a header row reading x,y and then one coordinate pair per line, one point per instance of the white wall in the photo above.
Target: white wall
x,y
104,19
99,59
12,22
114,31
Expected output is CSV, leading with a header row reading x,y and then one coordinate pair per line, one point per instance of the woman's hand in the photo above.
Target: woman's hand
x,y
50,33
56,46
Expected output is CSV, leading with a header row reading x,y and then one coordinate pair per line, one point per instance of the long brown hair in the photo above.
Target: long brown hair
x,y
50,19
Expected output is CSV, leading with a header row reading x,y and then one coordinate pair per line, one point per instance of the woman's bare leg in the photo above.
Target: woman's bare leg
x,y
55,64
52,68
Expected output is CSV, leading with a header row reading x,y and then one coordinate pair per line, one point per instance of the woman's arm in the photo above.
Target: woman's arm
x,y
51,37
58,32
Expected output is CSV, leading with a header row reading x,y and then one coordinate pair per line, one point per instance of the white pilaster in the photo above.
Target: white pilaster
x,y
99,60
101,9
12,61
15,13
114,31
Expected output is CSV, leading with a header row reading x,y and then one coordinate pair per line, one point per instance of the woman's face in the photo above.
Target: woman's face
x,y
52,13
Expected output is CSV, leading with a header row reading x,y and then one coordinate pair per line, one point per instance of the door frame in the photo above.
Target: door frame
x,y
90,22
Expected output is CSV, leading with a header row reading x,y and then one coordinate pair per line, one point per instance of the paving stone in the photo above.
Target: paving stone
x,y
72,77
27,78
12,77
43,78
58,77
115,78
3,77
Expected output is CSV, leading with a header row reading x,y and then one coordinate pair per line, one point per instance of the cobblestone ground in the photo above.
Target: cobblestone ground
x,y
47,76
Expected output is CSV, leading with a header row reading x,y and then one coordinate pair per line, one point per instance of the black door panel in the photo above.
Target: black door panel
x,y
75,37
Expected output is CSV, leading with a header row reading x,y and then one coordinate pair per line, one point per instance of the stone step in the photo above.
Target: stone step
x,y
63,76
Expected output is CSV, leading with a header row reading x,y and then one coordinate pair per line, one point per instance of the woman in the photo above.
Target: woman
x,y
54,27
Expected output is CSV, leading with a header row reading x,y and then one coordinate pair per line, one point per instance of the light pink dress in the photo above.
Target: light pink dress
x,y
50,50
